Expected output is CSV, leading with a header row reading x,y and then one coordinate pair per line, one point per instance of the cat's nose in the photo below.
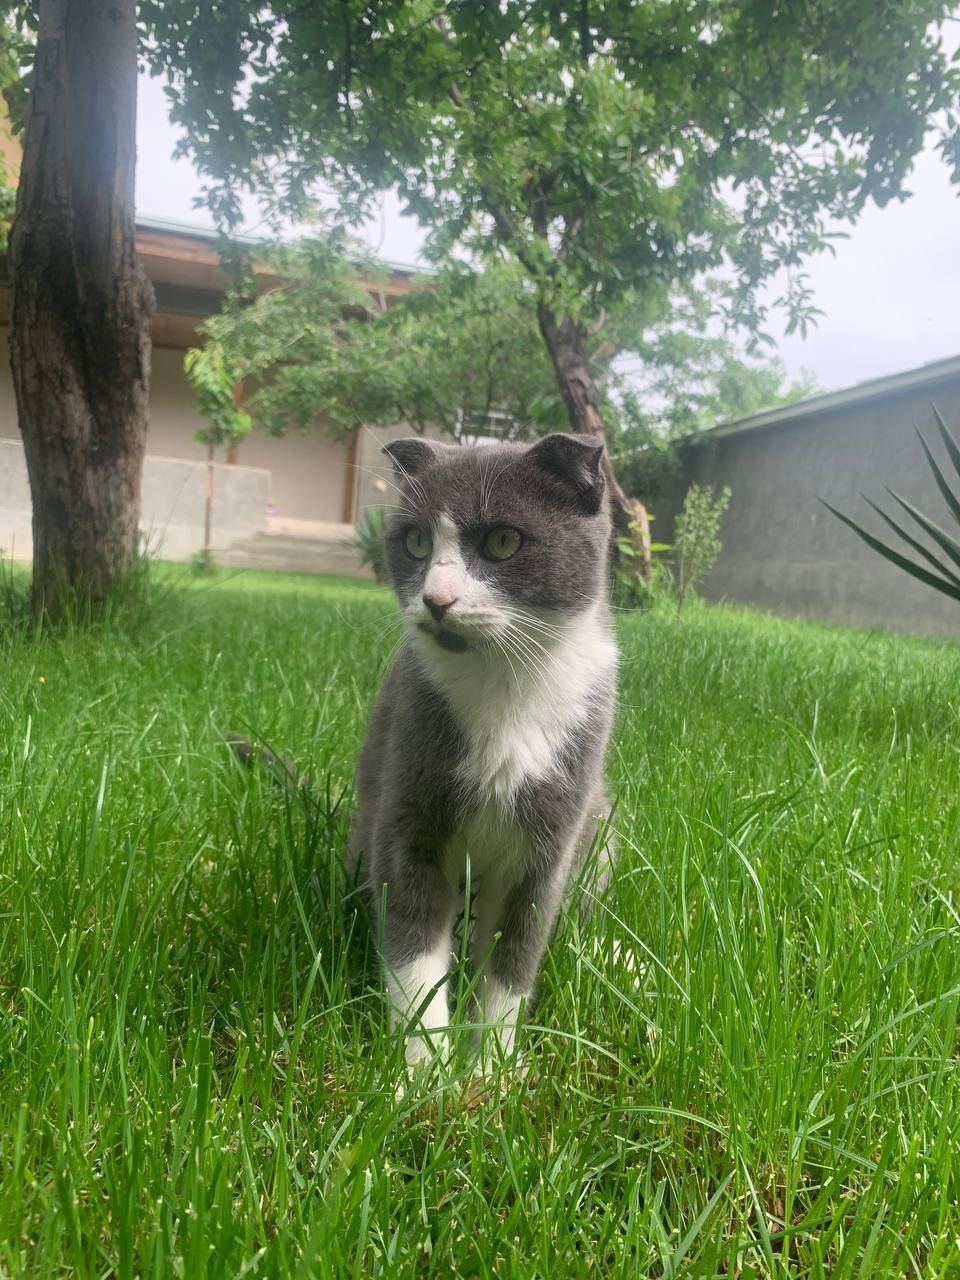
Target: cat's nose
x,y
438,602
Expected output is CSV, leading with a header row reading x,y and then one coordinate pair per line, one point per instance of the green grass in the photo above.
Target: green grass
x,y
759,1080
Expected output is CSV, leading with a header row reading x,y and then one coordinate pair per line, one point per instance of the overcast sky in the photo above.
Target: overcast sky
x,y
891,296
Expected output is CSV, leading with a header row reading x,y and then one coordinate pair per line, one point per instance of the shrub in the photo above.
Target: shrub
x,y
697,539
631,588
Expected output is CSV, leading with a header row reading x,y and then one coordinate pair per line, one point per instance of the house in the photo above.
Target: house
x,y
782,550
275,501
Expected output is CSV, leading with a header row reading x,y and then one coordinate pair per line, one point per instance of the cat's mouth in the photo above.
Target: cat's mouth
x,y
452,641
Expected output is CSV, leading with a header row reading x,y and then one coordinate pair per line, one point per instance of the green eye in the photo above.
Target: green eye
x,y
417,543
502,543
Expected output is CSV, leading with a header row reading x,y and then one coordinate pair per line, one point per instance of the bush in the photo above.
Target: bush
x,y
368,539
697,540
631,589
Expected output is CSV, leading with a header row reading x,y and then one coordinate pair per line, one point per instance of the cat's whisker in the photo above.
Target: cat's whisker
x,y
521,658
493,483
519,623
532,620
498,642
535,666
544,628
531,646
386,480
370,623
411,480
619,608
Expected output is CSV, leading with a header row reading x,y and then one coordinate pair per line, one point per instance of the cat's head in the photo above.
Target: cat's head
x,y
487,540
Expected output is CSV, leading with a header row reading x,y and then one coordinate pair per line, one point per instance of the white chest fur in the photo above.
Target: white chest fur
x,y
494,843
516,713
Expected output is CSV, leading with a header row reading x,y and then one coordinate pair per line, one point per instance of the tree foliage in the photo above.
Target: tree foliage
x,y
15,51
606,146
609,148
462,353
215,381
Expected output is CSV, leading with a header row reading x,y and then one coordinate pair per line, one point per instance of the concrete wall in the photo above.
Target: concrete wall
x,y
16,538
174,420
8,404
783,551
173,505
174,483
308,472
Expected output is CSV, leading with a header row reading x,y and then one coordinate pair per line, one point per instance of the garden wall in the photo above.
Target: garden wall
x,y
781,549
173,505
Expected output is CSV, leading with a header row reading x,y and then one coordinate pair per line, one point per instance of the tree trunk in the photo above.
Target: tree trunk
x,y
565,342
81,305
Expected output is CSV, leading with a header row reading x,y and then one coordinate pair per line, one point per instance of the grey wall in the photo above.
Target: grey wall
x,y
783,551
173,505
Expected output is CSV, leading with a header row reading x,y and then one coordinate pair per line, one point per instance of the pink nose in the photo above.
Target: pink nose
x,y
438,602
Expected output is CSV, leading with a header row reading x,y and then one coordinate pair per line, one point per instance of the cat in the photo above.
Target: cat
x,y
489,732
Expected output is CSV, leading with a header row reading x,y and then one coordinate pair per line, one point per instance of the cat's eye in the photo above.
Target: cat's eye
x,y
502,543
417,543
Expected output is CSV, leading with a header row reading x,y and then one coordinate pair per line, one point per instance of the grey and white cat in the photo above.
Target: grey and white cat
x,y
489,732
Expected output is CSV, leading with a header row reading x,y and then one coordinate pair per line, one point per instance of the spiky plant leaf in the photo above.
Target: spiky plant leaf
x,y
915,571
949,497
953,449
912,542
949,583
943,539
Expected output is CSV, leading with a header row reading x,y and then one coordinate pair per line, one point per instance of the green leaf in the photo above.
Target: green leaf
x,y
939,584
952,502
943,539
912,542
951,445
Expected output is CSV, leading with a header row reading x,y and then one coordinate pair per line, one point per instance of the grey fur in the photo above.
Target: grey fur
x,y
413,800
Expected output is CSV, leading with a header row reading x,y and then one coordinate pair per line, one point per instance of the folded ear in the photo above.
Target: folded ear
x,y
574,460
412,454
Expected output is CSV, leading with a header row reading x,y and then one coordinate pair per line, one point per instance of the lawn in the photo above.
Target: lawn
x,y
745,1065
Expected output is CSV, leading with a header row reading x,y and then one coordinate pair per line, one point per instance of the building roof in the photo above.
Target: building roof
x,y
183,264
926,375
208,234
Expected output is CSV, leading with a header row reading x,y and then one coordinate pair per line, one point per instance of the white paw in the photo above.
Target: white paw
x,y
423,1055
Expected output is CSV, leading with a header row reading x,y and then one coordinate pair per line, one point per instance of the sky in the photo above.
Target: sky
x,y
890,295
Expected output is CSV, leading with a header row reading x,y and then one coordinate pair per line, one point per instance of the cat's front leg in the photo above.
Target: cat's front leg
x,y
417,912
512,931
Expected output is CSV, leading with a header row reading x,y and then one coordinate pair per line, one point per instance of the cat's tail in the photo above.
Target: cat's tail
x,y
282,767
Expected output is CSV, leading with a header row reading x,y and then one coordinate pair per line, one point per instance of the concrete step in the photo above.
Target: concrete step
x,y
334,554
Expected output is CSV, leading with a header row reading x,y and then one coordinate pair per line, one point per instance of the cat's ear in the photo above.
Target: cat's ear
x,y
576,460
413,453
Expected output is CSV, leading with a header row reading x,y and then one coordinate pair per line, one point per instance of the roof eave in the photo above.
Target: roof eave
x,y
861,393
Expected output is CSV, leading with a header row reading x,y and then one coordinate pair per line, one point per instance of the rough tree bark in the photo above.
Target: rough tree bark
x,y
81,305
566,343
